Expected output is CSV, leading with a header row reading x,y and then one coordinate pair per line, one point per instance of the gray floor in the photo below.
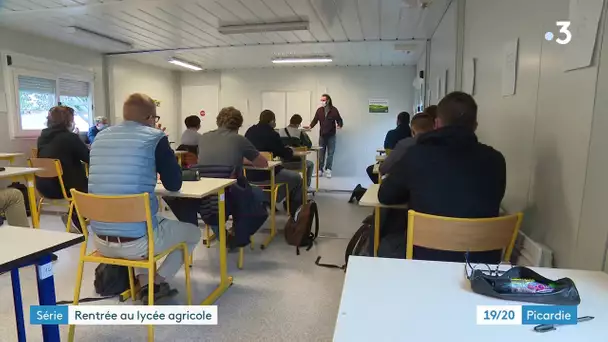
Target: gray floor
x,y
278,296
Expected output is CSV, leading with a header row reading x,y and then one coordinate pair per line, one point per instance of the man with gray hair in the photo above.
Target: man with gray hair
x,y
125,160
101,123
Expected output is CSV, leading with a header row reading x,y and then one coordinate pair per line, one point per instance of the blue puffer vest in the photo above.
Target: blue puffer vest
x,y
123,163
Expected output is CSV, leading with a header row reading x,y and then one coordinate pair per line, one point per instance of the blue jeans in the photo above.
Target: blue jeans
x,y
327,144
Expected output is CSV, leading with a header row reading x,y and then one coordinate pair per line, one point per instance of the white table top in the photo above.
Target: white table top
x,y
20,245
271,165
381,158
180,152
198,189
10,155
370,199
410,300
17,171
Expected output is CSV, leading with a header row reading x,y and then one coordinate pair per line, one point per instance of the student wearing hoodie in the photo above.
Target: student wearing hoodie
x,y
58,141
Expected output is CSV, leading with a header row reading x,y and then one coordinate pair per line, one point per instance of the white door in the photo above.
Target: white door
x,y
200,98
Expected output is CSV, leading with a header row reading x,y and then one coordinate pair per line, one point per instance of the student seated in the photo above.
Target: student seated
x,y
101,123
401,132
58,142
125,160
293,136
224,149
12,205
191,136
421,123
448,172
265,138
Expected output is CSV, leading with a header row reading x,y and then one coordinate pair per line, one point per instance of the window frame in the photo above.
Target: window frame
x,y
41,68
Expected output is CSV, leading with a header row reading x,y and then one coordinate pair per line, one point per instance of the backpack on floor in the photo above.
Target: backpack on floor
x,y
21,187
111,280
298,230
357,193
358,244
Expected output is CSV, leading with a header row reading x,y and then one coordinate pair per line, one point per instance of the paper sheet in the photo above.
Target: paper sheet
x,y
509,69
584,21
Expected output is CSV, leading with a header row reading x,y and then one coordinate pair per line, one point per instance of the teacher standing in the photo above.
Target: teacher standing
x,y
329,119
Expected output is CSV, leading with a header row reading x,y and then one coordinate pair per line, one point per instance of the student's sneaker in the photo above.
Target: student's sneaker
x,y
73,227
320,173
161,290
328,173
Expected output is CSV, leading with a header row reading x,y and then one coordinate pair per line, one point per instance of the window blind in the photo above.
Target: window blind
x,y
36,85
73,88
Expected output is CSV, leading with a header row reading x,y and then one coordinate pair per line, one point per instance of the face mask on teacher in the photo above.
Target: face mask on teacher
x,y
323,103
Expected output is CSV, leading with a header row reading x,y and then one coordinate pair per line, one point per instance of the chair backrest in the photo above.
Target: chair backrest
x,y
267,155
460,234
113,209
34,152
387,151
51,168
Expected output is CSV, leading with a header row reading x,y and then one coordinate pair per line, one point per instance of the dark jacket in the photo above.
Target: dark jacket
x,y
448,173
264,138
59,143
92,133
327,122
394,135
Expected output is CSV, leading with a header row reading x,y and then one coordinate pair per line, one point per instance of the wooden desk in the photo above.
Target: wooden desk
x,y
316,149
21,247
27,173
370,199
199,189
273,203
414,300
10,157
303,155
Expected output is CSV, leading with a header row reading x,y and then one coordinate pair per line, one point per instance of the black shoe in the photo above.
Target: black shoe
x,y
353,195
161,291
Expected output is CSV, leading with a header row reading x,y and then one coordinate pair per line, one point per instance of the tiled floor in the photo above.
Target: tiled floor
x,y
278,296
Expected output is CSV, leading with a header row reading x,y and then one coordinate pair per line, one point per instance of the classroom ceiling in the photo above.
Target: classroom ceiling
x,y
352,32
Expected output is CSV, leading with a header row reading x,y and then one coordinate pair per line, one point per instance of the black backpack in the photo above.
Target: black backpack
x,y
358,244
357,194
111,280
21,187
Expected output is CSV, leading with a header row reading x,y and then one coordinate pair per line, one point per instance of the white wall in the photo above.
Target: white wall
x,y
350,88
26,44
544,129
443,53
127,77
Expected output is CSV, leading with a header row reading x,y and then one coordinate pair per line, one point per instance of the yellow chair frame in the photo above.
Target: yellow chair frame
x,y
122,209
462,234
52,169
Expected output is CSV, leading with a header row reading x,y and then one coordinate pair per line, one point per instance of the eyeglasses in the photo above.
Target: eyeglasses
x,y
156,118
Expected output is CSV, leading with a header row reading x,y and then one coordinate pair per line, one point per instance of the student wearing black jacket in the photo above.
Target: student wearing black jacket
x,y
401,132
266,139
448,173
58,142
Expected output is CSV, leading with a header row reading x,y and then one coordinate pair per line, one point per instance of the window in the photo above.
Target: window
x,y
35,86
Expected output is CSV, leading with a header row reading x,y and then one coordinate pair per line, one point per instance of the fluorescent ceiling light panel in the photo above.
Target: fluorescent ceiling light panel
x,y
292,60
272,27
185,64
87,34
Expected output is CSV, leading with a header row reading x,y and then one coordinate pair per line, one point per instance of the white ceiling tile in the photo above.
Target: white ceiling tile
x,y
390,12
305,11
369,14
327,13
349,18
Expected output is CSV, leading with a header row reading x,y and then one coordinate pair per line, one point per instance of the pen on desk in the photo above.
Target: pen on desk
x,y
551,327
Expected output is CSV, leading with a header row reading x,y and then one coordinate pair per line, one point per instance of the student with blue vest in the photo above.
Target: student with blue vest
x,y
125,160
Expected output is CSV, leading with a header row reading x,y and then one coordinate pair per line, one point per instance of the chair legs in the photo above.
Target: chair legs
x,y
187,264
77,288
132,283
69,224
151,273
